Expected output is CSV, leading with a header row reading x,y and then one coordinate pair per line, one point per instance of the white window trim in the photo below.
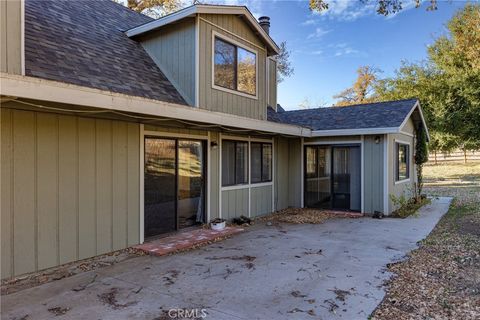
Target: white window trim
x,y
238,44
395,165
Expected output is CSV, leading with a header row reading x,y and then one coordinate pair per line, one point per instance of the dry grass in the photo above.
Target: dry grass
x,y
452,172
441,279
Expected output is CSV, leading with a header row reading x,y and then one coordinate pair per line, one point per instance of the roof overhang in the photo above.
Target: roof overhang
x,y
191,11
354,132
422,118
16,86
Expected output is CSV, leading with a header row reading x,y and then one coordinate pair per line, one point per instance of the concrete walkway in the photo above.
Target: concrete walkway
x,y
330,271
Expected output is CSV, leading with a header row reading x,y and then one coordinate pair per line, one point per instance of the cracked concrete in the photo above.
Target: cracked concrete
x,y
333,270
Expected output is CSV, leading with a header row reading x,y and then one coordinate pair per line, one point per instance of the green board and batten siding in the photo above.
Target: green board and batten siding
x,y
218,100
234,203
173,49
373,174
10,36
70,188
406,187
272,83
282,184
260,200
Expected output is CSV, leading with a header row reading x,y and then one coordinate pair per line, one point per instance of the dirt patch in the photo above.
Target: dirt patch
x,y
170,277
234,258
305,215
67,270
110,298
310,312
297,294
340,294
58,311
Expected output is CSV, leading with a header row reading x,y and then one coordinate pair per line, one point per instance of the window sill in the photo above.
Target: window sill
x,y
261,184
402,181
235,187
238,93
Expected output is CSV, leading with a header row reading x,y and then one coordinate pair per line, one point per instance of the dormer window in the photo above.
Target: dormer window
x,y
235,67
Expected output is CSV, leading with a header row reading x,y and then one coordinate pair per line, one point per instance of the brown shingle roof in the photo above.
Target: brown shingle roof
x,y
83,43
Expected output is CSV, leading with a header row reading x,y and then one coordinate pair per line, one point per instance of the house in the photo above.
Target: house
x,y
117,128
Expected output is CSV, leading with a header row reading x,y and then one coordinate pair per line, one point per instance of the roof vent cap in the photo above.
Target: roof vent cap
x,y
264,22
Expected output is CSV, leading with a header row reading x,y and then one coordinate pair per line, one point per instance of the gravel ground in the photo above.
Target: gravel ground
x,y
441,279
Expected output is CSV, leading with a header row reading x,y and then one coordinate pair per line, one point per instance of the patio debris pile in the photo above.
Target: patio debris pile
x,y
242,221
441,279
64,271
300,216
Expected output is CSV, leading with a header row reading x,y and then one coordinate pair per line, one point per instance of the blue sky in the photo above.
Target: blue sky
x,y
326,49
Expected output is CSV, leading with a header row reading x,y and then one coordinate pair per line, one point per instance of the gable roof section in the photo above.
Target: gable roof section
x,y
83,43
381,117
206,9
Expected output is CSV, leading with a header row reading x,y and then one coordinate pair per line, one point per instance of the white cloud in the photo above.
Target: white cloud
x,y
347,51
348,10
309,22
318,33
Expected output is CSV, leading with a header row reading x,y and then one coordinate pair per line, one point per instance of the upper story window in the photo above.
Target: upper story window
x,y
235,68
402,168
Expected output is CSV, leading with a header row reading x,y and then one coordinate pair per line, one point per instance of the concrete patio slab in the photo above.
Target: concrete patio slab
x,y
333,270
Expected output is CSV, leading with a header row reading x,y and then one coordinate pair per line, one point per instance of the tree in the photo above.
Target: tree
x,y
383,7
421,156
447,84
361,90
284,67
154,8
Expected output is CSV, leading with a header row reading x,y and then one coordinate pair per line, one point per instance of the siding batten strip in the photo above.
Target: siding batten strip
x,y
35,189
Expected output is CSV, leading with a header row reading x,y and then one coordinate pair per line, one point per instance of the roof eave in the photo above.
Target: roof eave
x,y
206,9
353,132
422,118
70,94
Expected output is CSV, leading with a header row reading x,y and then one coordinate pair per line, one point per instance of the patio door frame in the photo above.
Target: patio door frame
x,y
333,144
174,136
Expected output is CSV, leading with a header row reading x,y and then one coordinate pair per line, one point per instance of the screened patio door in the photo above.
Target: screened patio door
x,y
332,177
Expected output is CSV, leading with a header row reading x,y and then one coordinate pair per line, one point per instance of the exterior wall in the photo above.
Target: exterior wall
x,y
405,187
281,167
261,200
234,203
218,100
295,174
11,36
373,166
272,83
173,49
70,188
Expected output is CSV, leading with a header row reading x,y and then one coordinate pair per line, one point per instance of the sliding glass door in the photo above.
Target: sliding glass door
x,y
159,186
332,177
174,185
346,178
317,177
191,183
